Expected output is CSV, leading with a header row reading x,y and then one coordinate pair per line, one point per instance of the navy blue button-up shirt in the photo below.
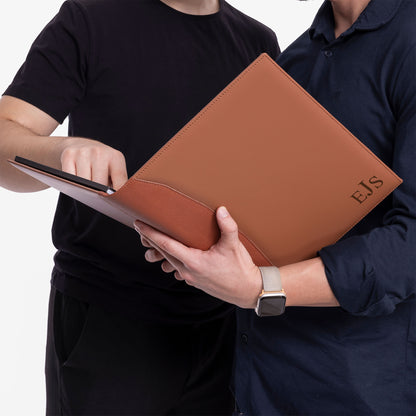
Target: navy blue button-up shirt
x,y
360,358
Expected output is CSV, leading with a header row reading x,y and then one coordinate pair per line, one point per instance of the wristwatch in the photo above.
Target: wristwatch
x,y
272,299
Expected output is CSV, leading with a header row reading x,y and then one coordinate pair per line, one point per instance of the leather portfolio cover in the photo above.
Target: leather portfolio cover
x,y
292,176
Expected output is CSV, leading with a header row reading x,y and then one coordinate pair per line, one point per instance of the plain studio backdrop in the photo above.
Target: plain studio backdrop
x,y
26,250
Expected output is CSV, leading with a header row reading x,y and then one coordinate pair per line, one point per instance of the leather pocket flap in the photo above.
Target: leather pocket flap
x,y
176,214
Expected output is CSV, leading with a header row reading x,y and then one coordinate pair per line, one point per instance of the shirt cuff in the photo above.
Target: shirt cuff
x,y
353,279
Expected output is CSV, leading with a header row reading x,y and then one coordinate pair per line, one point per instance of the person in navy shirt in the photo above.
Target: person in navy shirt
x,y
346,343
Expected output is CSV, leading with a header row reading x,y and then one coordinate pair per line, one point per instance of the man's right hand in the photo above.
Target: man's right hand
x,y
94,160
25,131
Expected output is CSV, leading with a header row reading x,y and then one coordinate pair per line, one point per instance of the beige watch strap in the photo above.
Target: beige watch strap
x,y
271,279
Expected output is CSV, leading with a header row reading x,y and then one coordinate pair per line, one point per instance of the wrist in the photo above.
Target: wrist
x,y
306,284
272,299
251,289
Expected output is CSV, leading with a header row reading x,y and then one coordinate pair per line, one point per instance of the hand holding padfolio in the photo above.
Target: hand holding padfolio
x,y
271,154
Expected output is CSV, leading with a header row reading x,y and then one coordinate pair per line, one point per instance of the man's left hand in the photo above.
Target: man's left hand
x,y
225,271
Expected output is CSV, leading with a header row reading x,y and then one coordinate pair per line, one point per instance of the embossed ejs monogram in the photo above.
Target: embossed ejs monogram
x,y
366,189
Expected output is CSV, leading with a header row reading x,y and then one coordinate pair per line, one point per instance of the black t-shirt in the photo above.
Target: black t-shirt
x,y
131,73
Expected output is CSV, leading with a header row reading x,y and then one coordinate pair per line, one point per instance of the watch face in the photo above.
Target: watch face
x,y
271,305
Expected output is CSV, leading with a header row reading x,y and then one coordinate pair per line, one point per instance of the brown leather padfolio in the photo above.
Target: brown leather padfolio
x,y
292,176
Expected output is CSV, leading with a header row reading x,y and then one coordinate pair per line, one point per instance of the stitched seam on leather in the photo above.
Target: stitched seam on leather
x,y
126,185
229,88
176,191
195,201
200,114
356,140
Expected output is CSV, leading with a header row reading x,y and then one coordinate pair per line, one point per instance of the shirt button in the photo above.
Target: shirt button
x,y
244,338
328,54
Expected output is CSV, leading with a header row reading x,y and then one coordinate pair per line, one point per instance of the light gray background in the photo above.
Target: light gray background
x,y
26,250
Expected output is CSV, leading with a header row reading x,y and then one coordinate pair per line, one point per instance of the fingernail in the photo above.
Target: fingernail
x,y
137,226
222,212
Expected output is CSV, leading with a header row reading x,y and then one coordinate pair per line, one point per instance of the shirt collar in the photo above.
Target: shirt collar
x,y
376,14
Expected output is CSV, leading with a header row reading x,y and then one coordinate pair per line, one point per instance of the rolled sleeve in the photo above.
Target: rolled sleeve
x,y
371,273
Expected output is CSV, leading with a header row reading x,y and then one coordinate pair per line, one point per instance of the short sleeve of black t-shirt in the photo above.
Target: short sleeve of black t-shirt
x,y
54,75
131,73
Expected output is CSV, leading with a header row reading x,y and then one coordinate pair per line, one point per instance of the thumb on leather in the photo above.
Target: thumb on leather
x,y
228,227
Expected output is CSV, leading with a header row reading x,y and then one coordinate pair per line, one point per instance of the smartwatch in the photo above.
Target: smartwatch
x,y
272,299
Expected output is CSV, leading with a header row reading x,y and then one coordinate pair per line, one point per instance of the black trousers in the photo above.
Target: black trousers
x,y
99,363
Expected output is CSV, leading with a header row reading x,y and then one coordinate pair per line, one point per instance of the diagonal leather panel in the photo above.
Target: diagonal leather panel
x,y
292,176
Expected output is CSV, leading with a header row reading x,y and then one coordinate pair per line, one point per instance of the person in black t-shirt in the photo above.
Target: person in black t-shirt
x,y
122,338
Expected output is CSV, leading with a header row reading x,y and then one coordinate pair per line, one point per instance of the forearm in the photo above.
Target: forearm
x,y
18,140
306,284
227,271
